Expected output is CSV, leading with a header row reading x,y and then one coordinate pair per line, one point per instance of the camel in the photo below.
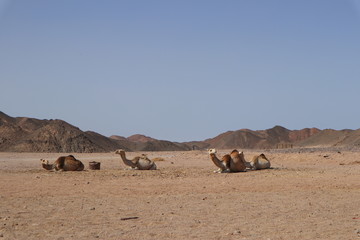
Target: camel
x,y
260,162
63,163
233,162
138,163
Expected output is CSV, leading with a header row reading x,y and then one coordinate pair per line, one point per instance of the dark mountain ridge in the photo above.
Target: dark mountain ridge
x,y
23,134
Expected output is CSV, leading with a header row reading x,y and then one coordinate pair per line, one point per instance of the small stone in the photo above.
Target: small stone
x,y
92,208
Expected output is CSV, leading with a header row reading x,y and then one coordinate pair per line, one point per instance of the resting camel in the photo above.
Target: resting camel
x,y
64,163
137,163
233,162
260,162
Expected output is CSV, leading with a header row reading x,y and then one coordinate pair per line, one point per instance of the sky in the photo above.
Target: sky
x,y
182,70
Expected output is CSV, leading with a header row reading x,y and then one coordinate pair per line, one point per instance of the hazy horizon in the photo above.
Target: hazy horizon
x,y
181,70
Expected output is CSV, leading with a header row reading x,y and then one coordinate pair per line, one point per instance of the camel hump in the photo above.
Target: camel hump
x,y
234,151
238,162
72,164
260,157
68,163
263,156
260,162
226,160
146,164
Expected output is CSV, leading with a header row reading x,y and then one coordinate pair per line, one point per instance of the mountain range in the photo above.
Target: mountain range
x,y
24,134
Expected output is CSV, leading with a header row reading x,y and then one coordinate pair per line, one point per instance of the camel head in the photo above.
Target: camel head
x,y
119,151
212,151
45,162
46,165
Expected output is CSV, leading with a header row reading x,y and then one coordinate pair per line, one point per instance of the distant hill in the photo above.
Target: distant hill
x,y
276,137
333,138
23,134
140,142
134,138
140,138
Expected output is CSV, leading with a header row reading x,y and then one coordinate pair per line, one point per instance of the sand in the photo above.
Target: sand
x,y
313,195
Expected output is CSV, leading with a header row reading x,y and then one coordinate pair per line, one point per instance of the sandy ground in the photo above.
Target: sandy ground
x,y
312,195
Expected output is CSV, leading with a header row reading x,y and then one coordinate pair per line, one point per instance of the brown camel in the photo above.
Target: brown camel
x,y
63,163
260,162
233,162
138,163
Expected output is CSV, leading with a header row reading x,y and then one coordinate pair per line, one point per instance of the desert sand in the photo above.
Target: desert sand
x,y
307,195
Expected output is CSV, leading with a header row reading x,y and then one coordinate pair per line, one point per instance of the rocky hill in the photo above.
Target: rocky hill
x,y
276,137
22,134
333,138
140,138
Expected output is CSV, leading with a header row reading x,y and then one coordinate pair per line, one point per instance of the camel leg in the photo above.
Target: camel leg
x,y
248,165
131,168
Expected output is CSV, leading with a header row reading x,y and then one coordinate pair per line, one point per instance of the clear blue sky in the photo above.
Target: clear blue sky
x,y
182,70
